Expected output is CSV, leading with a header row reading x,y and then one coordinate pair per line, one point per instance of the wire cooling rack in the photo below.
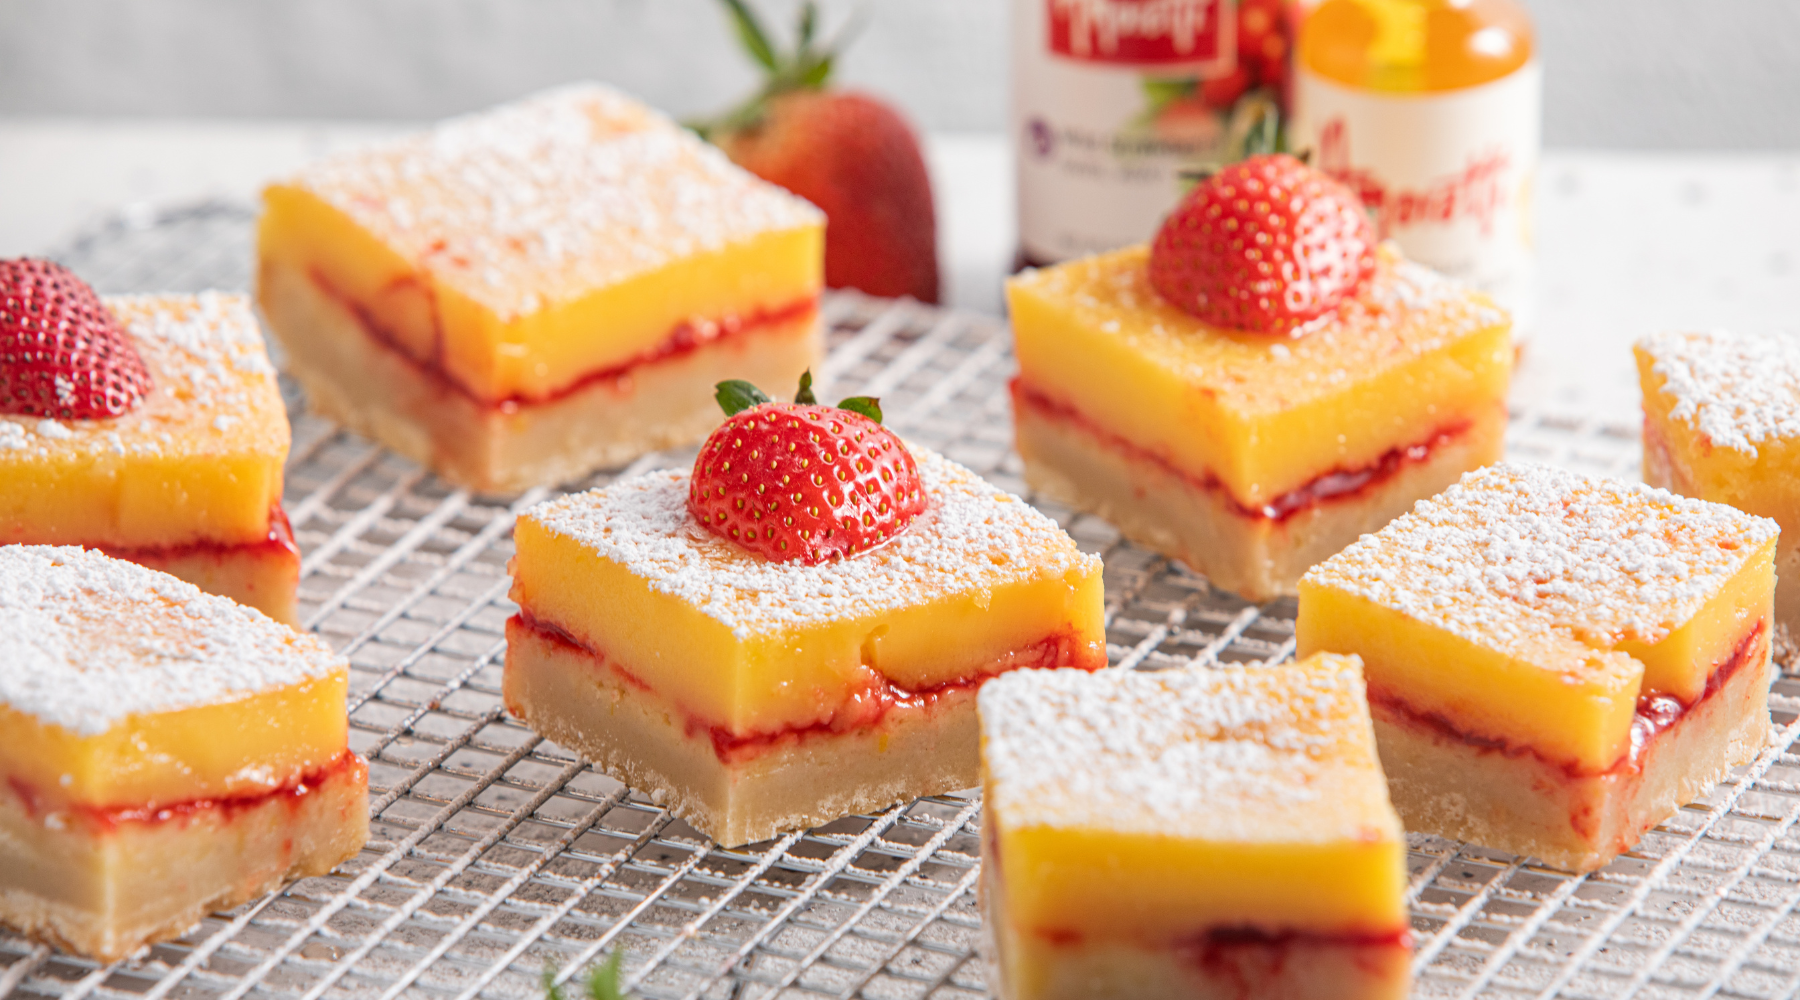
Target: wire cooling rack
x,y
495,854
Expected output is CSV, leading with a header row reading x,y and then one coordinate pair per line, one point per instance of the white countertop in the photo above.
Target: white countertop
x,y
1628,242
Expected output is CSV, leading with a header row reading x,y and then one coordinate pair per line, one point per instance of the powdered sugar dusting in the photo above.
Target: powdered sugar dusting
x,y
540,201
975,538
1514,554
1738,391
214,392
1259,754
87,641
1405,311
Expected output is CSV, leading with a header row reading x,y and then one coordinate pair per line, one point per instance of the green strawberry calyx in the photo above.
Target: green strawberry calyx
x,y
736,395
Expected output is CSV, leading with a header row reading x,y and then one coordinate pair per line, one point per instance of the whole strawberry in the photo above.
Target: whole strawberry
x,y
1264,245
803,481
63,354
848,153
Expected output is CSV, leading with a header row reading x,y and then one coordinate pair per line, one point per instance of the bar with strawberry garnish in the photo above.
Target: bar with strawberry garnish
x,y
148,426
1261,385
794,630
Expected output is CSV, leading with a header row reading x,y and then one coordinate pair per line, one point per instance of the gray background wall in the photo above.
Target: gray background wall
x,y
1619,73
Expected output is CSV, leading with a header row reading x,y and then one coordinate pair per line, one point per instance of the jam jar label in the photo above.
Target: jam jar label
x,y
1139,32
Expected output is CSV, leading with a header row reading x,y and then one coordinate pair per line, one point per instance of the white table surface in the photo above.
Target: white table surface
x,y
1628,242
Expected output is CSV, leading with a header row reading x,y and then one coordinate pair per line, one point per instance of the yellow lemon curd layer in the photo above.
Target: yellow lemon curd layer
x,y
1725,409
122,687
1410,357
752,646
245,747
519,251
1154,807
1532,607
198,460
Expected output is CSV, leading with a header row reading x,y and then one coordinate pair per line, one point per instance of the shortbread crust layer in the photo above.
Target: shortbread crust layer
x,y
745,789
351,376
1221,967
106,882
1257,556
1512,798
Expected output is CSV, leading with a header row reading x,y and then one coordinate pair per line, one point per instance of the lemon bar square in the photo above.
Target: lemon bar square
x,y
753,697
189,482
164,752
1722,423
1252,457
1556,662
1189,833
517,297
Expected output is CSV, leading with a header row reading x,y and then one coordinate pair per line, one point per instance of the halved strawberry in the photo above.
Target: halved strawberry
x,y
1264,245
63,354
803,481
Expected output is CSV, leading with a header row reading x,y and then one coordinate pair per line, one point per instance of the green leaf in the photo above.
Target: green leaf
x,y
551,990
1265,133
737,395
603,980
868,406
1255,126
805,395
1162,91
750,32
809,23
815,75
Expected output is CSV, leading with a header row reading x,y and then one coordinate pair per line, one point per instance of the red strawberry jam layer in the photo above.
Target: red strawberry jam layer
x,y
105,819
685,338
1656,715
861,709
279,543
1208,946
1334,486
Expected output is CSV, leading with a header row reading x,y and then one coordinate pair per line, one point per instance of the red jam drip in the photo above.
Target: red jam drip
x,y
1656,713
686,337
109,818
1254,960
1338,484
279,542
863,709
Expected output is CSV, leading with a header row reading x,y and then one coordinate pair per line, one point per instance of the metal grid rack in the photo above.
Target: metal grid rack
x,y
494,853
